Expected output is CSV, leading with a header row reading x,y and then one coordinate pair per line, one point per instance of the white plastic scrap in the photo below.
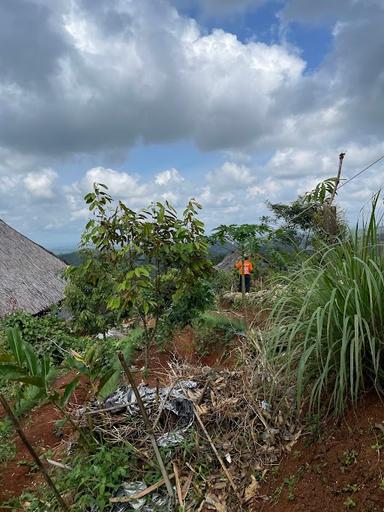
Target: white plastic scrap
x,y
266,406
172,399
153,502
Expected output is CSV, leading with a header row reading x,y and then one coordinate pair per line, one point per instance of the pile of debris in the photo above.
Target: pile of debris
x,y
218,432
264,297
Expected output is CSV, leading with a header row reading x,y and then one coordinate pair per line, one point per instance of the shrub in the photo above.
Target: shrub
x,y
224,281
48,334
213,331
328,328
89,484
185,308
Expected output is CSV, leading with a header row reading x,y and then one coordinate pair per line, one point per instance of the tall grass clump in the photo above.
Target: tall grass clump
x,y
327,330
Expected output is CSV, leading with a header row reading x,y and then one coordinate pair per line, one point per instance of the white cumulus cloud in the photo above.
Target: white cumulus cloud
x,y
168,176
40,184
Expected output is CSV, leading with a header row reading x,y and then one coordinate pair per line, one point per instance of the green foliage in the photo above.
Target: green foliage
x,y
153,257
245,237
189,305
92,480
100,363
297,215
224,281
348,458
213,332
269,248
328,327
95,476
23,365
304,218
322,192
90,285
47,334
7,444
349,503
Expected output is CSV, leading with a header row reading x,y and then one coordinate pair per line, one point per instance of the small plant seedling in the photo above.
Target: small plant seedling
x,y
377,446
349,503
381,484
351,488
290,483
348,458
274,471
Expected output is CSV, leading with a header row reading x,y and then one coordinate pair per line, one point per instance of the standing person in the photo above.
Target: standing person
x,y
245,268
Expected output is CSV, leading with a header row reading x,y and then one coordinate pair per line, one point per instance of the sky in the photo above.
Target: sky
x,y
233,102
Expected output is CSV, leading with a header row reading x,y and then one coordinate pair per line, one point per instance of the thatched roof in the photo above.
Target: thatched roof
x,y
229,261
30,276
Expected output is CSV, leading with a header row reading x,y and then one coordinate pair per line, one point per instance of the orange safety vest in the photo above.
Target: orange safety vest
x,y
248,267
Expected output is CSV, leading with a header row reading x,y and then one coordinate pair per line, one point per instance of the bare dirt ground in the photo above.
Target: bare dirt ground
x,y
343,470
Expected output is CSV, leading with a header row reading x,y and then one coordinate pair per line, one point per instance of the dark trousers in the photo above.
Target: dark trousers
x,y
247,283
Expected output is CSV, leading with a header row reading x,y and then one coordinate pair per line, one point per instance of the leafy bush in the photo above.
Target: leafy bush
x,y
95,476
224,281
100,363
215,332
328,328
89,484
48,334
142,255
189,305
89,286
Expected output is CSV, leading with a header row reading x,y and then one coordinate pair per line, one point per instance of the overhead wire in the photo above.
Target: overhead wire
x,y
344,183
361,172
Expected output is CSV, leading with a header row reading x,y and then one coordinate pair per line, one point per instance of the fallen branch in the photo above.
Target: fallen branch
x,y
186,486
58,464
141,494
227,473
178,486
148,424
32,451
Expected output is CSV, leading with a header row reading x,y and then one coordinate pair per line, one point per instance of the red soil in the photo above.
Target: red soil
x,y
342,471
39,425
181,348
20,474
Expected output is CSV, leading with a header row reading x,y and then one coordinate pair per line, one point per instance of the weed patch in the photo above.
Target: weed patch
x,y
215,332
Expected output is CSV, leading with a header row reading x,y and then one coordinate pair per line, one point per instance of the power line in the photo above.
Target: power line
x,y
344,183
361,172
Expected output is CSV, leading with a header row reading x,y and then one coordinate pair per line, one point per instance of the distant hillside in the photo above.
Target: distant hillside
x,y
71,258
217,253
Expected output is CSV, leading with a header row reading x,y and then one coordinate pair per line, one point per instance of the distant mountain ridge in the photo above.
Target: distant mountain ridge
x,y
217,253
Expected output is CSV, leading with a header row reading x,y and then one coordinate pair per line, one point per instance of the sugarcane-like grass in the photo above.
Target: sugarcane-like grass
x,y
327,331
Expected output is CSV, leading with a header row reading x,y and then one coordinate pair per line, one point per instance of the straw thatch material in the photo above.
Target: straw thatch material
x,y
229,261
30,276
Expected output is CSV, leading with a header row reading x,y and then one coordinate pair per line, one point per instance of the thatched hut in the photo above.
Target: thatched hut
x,y
229,261
30,276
